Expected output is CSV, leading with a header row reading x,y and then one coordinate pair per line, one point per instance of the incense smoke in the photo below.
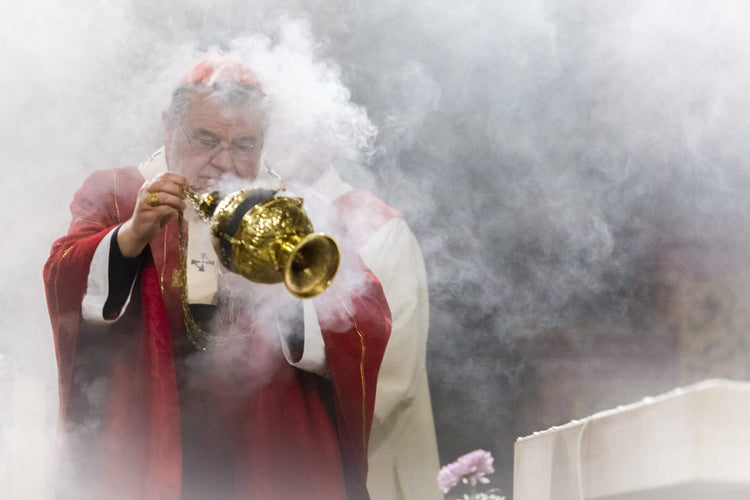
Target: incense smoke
x,y
543,152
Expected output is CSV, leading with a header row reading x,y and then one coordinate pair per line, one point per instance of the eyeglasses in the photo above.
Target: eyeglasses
x,y
241,152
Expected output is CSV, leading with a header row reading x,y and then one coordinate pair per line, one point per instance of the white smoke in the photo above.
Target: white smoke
x,y
541,150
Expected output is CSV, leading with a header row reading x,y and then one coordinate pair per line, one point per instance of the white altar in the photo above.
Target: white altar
x,y
691,443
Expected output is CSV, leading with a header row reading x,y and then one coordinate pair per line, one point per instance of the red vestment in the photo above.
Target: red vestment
x,y
286,433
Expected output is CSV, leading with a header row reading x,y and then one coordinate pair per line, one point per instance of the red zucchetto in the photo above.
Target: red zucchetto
x,y
221,69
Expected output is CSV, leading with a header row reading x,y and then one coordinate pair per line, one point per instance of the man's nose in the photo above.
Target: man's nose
x,y
223,159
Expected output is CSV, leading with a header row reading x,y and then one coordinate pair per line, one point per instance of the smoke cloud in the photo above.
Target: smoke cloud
x,y
543,152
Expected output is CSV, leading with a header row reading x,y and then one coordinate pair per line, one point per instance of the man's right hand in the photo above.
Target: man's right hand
x,y
159,199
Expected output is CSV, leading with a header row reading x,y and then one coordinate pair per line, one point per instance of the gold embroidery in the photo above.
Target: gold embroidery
x,y
63,400
57,276
178,278
164,263
117,203
89,221
361,370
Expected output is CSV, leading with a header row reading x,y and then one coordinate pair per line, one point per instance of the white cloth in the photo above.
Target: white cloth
x,y
97,289
202,264
402,456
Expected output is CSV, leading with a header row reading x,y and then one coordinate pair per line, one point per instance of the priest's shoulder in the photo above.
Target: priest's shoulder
x,y
361,201
119,181
107,196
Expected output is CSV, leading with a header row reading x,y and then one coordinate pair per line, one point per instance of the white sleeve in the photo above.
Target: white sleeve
x,y
394,256
402,453
97,286
313,353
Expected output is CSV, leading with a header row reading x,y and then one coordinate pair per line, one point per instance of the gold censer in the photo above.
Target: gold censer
x,y
268,238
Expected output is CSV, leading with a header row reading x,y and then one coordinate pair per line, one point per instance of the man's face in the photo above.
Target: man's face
x,y
213,139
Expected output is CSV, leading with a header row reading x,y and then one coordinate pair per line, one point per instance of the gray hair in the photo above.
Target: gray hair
x,y
231,93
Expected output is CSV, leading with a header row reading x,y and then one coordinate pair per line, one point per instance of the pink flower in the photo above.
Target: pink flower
x,y
470,468
449,476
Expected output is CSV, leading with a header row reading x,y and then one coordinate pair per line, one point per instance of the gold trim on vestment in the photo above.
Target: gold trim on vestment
x,y
361,370
117,203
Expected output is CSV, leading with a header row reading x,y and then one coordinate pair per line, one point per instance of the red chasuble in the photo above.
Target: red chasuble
x,y
132,400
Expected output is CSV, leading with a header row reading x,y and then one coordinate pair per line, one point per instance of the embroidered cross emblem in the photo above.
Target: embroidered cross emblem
x,y
201,264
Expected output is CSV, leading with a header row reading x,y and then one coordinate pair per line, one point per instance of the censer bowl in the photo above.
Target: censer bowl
x,y
269,239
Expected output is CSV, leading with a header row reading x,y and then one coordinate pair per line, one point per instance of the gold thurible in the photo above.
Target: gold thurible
x,y
268,238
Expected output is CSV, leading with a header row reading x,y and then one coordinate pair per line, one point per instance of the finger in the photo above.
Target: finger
x,y
163,199
171,186
172,178
172,200
156,217
164,220
152,198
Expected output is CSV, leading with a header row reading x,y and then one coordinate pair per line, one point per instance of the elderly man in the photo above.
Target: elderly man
x,y
179,379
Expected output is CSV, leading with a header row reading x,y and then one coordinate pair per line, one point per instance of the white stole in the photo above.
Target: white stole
x,y
201,261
